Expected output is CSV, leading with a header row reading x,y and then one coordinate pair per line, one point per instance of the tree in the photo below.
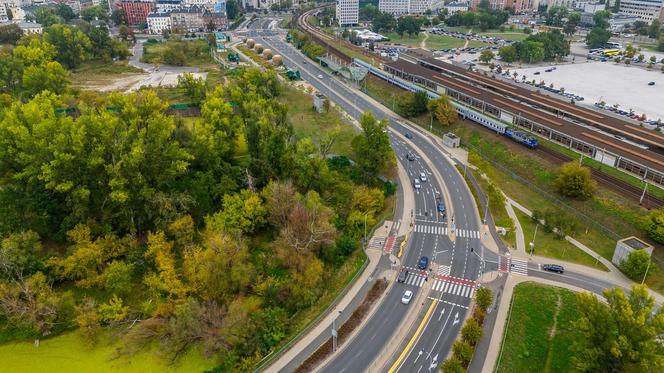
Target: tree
x,y
572,23
597,37
118,277
18,254
463,351
194,88
71,44
601,19
166,280
88,321
471,332
64,11
50,76
636,265
117,16
654,225
233,9
655,29
47,17
452,365
242,211
555,15
530,51
574,181
92,13
101,43
507,54
384,22
443,110
372,147
483,298
622,335
486,56
660,44
10,34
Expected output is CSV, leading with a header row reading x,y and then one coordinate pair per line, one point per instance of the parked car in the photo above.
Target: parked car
x,y
407,296
423,177
423,263
402,276
536,73
553,268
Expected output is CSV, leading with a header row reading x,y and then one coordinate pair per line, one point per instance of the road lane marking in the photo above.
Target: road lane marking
x,y
410,344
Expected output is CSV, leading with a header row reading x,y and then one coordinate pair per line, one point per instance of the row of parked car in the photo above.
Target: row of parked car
x,y
471,36
630,114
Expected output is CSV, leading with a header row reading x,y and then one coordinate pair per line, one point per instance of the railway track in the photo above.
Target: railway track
x,y
619,186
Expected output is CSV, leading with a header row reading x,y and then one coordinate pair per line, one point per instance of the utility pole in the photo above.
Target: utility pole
x,y
646,274
486,208
532,244
645,187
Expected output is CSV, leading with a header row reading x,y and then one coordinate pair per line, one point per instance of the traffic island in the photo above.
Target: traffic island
x,y
346,330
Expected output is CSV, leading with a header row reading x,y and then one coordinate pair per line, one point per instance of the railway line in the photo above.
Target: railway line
x,y
482,87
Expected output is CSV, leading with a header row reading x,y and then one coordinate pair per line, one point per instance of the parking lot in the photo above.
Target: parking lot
x,y
605,81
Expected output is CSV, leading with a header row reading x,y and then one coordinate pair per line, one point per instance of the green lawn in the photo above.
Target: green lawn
x,y
68,353
546,244
308,123
540,333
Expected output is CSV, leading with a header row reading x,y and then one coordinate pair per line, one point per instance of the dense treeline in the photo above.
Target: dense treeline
x,y
217,234
543,46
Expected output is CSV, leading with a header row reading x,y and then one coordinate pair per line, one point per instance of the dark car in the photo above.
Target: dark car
x,y
410,156
536,73
440,205
423,263
409,135
553,268
651,83
402,276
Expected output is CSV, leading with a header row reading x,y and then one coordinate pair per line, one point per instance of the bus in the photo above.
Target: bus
x,y
610,52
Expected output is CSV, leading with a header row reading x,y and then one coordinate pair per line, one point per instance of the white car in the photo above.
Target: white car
x,y
416,184
423,177
407,296
320,76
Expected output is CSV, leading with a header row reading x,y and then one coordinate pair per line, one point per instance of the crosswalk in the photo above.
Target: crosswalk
x,y
519,266
415,279
454,288
376,243
438,229
444,270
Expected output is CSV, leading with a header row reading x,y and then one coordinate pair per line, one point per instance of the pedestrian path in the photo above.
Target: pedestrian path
x,y
519,266
416,279
389,244
376,243
439,229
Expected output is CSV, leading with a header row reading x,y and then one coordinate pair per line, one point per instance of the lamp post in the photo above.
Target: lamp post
x,y
365,227
481,258
334,333
646,274
532,244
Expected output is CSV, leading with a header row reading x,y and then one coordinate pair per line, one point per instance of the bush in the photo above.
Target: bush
x,y
463,351
654,225
471,332
483,298
574,181
636,265
452,365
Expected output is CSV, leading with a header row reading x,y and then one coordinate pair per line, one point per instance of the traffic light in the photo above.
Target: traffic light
x,y
471,249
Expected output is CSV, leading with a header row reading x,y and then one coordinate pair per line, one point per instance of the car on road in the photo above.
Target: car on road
x,y
553,268
402,276
407,296
536,73
320,76
423,263
651,83
410,156
409,135
416,184
423,177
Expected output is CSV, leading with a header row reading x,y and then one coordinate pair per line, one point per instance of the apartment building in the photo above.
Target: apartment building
x,y
348,12
136,11
645,10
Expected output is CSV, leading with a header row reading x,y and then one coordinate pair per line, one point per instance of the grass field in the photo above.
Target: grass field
x,y
309,123
547,245
68,353
539,333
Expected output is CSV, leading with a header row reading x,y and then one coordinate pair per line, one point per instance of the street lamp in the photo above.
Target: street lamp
x,y
481,258
365,227
334,333
532,244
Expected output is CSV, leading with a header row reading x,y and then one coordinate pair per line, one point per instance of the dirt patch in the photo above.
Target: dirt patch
x,y
346,329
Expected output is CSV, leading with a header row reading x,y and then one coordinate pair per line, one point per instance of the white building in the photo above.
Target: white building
x,y
456,7
158,22
593,7
400,7
646,10
348,12
167,5
27,27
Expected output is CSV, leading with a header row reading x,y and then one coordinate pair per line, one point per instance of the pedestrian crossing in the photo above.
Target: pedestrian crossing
x,y
438,229
376,243
446,286
415,279
519,266
444,270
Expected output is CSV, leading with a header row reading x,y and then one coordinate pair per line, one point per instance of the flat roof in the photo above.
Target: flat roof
x,y
635,243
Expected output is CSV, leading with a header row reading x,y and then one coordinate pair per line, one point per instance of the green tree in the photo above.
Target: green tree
x,y
117,16
101,43
507,54
555,15
65,12
242,211
18,254
654,225
530,51
486,56
372,149
471,332
452,365
194,88
601,19
484,298
47,17
660,44
623,335
655,29
574,181
572,23
384,22
72,46
463,351
118,277
636,265
92,13
50,76
597,37
10,34
233,9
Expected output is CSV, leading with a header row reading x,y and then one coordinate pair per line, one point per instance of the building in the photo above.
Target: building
x,y
519,6
626,246
158,22
218,20
26,27
348,12
399,7
136,11
189,19
3,13
619,22
456,7
163,6
646,10
593,7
